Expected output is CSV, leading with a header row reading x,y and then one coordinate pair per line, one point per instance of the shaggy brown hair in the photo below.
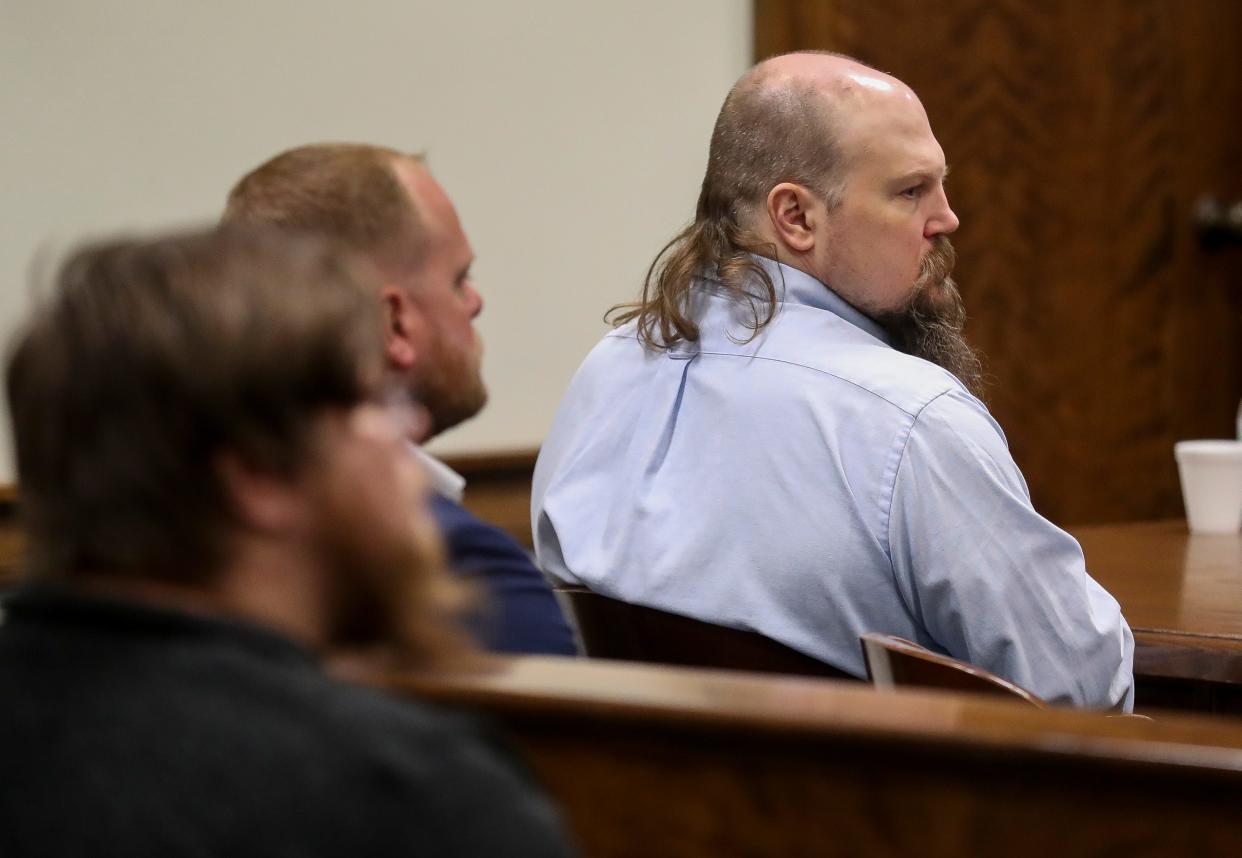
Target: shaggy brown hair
x,y
148,359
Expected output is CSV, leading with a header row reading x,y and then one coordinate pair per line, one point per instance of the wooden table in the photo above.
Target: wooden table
x,y
1182,595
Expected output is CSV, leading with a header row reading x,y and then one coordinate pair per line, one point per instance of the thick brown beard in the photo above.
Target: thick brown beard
x,y
396,600
931,326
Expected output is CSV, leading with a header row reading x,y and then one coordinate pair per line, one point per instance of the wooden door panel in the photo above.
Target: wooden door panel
x,y
1080,135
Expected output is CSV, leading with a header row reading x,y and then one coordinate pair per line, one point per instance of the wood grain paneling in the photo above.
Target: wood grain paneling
x,y
1080,135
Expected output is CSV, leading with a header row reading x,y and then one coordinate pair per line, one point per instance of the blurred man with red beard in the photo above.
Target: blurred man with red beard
x,y
217,491
785,433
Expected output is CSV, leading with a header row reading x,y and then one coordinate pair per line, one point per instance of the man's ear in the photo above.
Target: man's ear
x,y
792,211
262,501
398,327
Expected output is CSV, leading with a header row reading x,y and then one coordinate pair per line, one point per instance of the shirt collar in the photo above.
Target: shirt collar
x,y
444,479
58,603
801,288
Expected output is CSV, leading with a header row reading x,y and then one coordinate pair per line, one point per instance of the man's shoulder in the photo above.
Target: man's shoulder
x,y
826,357
803,349
452,766
525,616
903,381
340,767
452,516
465,533
416,767
404,733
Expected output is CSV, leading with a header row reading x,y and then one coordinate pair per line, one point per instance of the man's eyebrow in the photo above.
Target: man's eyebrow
x,y
924,174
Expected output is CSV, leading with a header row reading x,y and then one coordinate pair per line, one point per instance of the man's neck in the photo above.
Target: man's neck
x,y
793,261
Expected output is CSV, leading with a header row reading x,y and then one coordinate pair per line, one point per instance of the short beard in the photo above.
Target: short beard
x,y
395,600
930,327
450,387
449,406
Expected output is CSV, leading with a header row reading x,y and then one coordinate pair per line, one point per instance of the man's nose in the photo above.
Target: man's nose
x,y
944,222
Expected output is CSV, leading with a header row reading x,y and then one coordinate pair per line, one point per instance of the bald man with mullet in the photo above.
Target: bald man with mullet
x,y
386,206
785,433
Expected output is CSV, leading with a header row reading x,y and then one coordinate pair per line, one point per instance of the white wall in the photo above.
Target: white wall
x,y
571,133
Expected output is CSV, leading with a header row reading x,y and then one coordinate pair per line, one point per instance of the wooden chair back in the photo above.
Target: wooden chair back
x,y
894,662
612,629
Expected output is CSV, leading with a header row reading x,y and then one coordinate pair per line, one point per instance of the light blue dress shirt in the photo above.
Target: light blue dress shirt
x,y
811,485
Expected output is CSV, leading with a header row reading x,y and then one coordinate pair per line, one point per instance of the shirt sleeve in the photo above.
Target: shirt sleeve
x,y
992,581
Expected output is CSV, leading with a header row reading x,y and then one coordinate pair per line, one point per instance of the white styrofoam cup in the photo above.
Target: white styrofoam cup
x,y
1211,473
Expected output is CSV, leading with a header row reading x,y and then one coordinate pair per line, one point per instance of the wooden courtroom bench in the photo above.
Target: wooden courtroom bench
x,y
649,760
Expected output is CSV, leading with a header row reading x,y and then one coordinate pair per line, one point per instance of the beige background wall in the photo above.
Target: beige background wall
x,y
572,135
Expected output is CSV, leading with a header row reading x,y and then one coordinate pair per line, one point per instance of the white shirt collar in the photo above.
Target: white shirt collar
x,y
444,479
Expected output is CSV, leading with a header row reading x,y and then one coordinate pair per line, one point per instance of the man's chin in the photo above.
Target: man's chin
x,y
455,410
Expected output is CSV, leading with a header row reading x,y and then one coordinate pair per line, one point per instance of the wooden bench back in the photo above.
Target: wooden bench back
x,y
613,629
666,761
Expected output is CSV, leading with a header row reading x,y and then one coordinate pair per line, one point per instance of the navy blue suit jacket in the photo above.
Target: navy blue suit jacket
x,y
523,616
